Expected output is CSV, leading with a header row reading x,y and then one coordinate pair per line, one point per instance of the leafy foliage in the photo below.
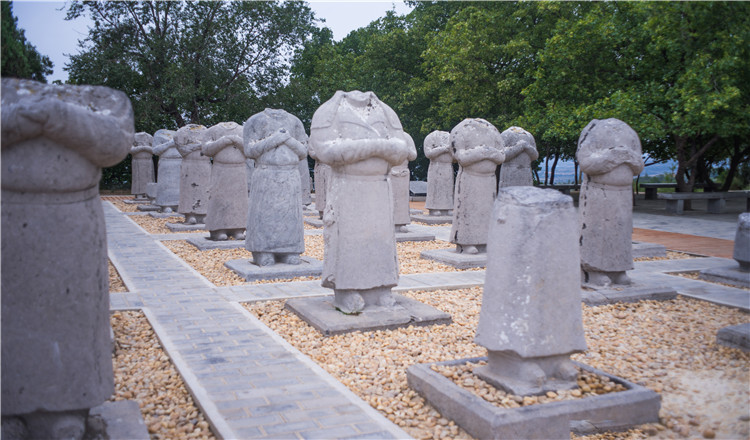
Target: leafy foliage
x,y
20,59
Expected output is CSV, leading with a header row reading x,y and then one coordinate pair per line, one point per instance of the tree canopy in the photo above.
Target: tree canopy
x,y
20,59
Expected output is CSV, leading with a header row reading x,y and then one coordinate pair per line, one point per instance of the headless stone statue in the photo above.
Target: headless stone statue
x,y
437,148
276,140
609,153
360,138
520,151
142,165
742,242
477,147
170,162
531,320
195,173
56,346
400,189
322,174
227,196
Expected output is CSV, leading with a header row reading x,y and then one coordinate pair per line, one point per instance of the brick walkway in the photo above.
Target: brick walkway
x,y
711,247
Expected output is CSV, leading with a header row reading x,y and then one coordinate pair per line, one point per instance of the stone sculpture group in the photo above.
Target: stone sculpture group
x,y
250,182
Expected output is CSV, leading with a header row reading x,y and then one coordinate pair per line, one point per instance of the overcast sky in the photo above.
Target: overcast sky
x,y
45,26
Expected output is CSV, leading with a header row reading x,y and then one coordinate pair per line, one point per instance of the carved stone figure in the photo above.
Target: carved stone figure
x,y
56,346
400,189
276,140
227,196
170,161
360,138
195,173
477,147
437,148
609,153
322,176
742,242
520,151
142,165
531,319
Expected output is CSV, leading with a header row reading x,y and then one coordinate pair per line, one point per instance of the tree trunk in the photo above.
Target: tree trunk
x,y
554,165
546,168
738,156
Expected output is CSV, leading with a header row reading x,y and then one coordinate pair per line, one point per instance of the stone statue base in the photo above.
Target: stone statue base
x,y
204,243
182,227
453,258
733,275
247,269
432,219
528,376
597,295
321,313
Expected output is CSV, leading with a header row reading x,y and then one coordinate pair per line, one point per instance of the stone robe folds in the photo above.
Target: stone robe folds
x,y
56,346
170,162
437,148
227,199
274,220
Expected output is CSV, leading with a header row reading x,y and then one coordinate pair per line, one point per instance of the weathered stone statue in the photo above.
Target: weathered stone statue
x,y
437,148
56,346
305,184
276,140
322,174
195,173
531,319
227,195
142,165
477,147
170,161
742,242
361,138
520,151
249,168
400,189
609,153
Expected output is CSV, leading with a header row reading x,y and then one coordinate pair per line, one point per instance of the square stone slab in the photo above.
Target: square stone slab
x,y
735,336
614,411
165,214
625,294
182,227
452,258
432,219
117,420
148,208
204,243
413,236
143,201
648,250
314,222
728,275
308,267
320,313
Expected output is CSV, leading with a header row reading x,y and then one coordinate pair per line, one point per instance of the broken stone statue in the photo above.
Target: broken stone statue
x,y
478,149
168,177
531,321
609,153
227,195
142,165
360,138
56,346
437,148
276,140
322,174
520,151
195,173
399,177
736,274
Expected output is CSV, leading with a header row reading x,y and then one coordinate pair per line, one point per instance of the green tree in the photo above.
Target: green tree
x,y
20,59
190,62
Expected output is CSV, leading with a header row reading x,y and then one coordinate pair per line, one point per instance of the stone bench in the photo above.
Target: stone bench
x,y
652,188
716,200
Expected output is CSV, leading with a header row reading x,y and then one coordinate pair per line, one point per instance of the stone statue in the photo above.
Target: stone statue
x,y
360,138
437,148
322,174
249,168
609,153
195,173
531,320
56,345
276,140
227,195
520,151
400,189
742,242
170,161
477,147
142,165
305,184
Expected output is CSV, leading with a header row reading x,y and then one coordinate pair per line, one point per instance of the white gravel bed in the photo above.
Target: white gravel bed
x,y
667,346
